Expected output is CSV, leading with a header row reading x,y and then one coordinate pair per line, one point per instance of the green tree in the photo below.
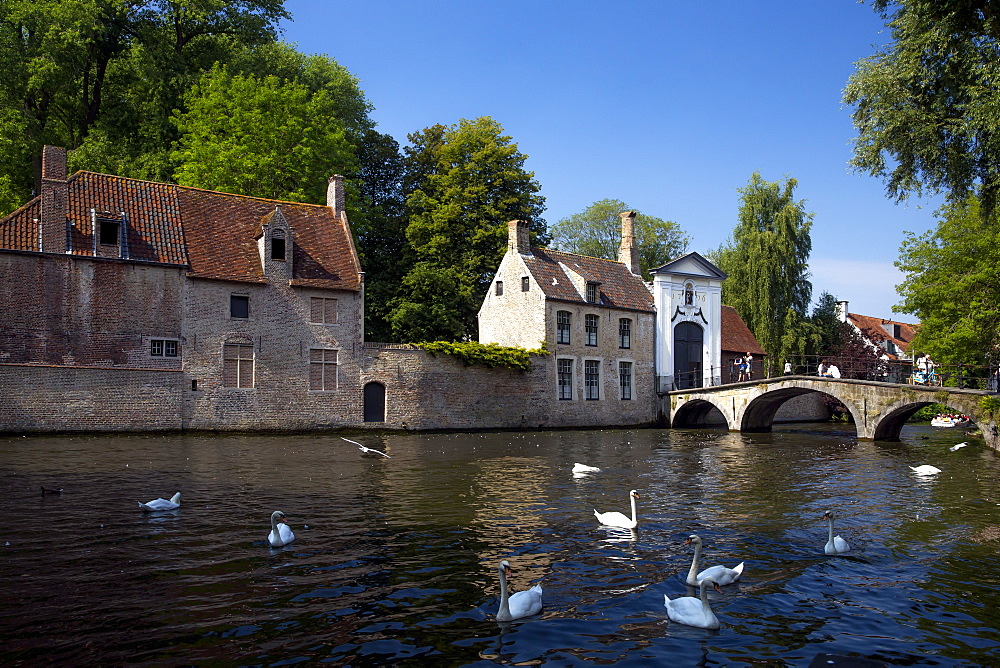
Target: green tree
x,y
468,181
380,227
952,284
767,259
596,232
927,105
105,75
261,137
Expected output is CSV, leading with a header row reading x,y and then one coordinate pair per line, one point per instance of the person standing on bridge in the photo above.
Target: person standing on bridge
x,y
788,368
748,361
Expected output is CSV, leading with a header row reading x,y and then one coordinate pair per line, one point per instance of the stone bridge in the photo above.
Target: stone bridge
x,y
879,410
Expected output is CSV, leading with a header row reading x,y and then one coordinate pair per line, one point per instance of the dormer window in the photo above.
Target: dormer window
x,y
278,245
109,232
592,292
689,294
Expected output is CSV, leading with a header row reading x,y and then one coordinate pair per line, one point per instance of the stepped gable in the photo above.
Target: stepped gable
x,y
736,336
619,288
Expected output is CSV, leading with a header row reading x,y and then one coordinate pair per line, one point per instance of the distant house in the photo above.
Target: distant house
x,y
889,338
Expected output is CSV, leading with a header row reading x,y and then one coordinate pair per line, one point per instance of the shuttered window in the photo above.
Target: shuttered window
x,y
323,310
322,369
237,365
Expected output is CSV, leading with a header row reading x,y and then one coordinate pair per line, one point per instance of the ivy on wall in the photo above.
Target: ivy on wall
x,y
485,354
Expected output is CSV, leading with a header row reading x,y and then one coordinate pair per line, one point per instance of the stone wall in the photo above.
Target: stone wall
x,y
38,398
428,392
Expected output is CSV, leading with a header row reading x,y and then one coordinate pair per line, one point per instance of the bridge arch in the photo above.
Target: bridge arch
x,y
699,413
760,411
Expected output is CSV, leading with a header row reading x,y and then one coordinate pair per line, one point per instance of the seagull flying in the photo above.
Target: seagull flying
x,y
366,450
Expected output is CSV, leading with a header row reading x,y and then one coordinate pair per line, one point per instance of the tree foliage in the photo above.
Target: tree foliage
x,y
952,284
468,180
927,105
596,232
260,136
105,75
766,259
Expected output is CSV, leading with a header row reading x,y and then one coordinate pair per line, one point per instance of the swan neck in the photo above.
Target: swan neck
x,y
632,497
829,521
704,594
504,605
693,573
274,524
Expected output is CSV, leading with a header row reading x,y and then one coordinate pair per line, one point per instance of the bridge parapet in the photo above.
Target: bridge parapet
x,y
879,410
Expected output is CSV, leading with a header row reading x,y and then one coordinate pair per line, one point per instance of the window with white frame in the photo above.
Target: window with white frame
x,y
592,379
323,310
237,365
590,327
624,332
323,369
625,379
163,348
563,322
565,373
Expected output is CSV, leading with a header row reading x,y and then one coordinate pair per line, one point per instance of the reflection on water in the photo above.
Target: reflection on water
x,y
395,559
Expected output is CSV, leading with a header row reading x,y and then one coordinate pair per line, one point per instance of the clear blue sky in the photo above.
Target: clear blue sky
x,y
668,106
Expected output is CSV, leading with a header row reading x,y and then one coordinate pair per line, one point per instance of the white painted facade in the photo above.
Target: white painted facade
x,y
688,290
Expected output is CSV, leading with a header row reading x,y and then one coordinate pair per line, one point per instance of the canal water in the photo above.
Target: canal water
x,y
395,559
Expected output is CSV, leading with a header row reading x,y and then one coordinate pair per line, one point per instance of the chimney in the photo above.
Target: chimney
x,y
335,194
842,311
517,237
54,189
628,254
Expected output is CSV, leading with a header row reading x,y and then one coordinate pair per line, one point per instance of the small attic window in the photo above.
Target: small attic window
x,y
278,245
109,232
592,292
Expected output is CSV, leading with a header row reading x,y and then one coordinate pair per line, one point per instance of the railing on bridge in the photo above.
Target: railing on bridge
x,y
903,372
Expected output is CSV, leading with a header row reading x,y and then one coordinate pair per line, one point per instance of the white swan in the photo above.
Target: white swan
x,y
958,446
694,611
720,574
616,519
281,533
161,504
583,468
926,469
836,544
521,604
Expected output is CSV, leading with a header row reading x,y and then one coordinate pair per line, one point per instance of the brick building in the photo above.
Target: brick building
x,y
136,305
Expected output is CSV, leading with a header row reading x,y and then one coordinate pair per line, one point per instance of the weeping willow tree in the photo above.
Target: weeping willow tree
x,y
767,260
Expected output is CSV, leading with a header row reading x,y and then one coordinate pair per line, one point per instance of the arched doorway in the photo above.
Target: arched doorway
x,y
688,352
374,396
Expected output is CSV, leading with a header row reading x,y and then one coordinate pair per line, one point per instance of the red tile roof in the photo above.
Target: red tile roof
x,y
213,233
736,336
877,330
619,288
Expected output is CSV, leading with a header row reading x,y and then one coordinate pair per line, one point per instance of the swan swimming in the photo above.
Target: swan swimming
x,y
281,533
836,544
583,468
958,446
161,504
693,611
721,575
925,469
522,604
617,519
366,450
